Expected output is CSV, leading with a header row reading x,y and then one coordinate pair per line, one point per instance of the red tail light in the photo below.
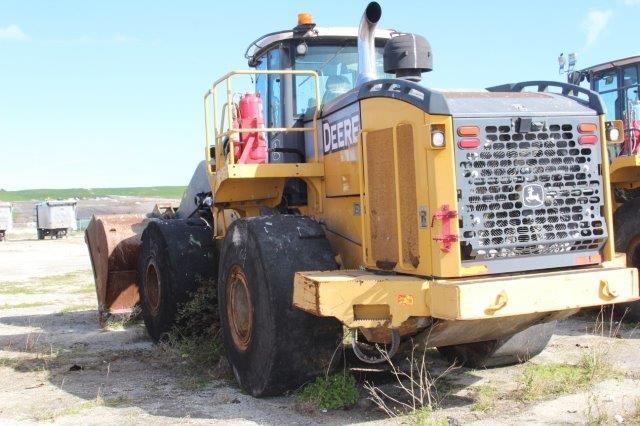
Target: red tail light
x,y
588,140
469,143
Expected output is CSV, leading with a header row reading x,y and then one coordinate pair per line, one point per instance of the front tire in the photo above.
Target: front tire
x,y
272,346
517,348
176,258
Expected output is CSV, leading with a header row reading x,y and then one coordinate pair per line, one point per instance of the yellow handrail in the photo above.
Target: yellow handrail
x,y
218,131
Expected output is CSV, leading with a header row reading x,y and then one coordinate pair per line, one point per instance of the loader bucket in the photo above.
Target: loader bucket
x,y
114,243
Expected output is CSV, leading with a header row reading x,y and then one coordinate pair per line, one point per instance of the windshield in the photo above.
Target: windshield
x,y
337,66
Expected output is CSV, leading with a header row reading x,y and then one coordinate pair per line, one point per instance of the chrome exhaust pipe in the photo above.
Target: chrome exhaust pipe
x,y
366,43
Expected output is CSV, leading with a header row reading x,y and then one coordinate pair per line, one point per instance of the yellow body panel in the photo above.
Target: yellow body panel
x,y
609,250
625,169
433,186
342,294
342,173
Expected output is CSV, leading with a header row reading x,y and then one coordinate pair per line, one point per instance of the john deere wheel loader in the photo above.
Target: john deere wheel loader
x,y
617,83
343,194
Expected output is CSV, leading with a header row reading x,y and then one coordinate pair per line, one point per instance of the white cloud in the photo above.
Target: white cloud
x,y
12,32
631,2
594,23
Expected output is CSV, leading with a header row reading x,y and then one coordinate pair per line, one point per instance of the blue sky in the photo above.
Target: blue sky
x,y
97,94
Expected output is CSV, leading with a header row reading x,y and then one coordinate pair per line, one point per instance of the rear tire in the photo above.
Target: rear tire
x,y
272,346
514,349
626,224
176,258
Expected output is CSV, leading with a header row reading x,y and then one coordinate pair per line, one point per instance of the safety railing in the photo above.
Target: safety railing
x,y
222,131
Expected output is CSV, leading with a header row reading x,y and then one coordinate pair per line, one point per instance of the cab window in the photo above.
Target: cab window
x,y
607,81
337,67
618,89
610,100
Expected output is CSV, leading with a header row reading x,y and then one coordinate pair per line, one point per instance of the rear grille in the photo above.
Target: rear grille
x,y
529,194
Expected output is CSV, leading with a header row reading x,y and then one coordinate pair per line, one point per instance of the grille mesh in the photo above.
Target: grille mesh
x,y
525,194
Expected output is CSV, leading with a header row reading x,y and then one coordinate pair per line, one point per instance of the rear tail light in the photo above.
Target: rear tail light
x,y
469,143
586,127
588,140
468,131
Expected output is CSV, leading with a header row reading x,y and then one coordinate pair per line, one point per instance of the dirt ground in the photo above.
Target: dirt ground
x,y
57,365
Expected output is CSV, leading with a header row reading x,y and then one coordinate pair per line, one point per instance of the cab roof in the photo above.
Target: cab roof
x,y
613,64
257,47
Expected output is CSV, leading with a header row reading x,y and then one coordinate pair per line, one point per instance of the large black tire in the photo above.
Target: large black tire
x,y
272,346
514,349
176,257
626,229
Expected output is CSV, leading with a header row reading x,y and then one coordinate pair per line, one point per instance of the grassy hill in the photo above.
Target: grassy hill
x,y
48,194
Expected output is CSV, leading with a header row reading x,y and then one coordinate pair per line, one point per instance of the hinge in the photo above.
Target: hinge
x,y
446,239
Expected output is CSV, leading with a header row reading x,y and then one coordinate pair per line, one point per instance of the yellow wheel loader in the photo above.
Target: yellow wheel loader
x,y
338,193
617,83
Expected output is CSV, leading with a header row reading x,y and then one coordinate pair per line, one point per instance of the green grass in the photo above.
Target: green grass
x,y
88,288
76,308
49,194
8,287
122,322
484,397
195,340
424,417
331,393
119,401
70,411
23,305
546,380
40,285
67,278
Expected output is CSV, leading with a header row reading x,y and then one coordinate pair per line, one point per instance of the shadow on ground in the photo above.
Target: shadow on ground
x,y
126,370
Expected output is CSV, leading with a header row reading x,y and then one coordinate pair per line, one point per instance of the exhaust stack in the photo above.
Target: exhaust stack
x,y
366,43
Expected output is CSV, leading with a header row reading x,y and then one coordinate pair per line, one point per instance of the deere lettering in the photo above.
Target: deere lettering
x,y
340,134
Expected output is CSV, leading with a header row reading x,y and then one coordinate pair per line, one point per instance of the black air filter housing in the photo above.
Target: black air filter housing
x,y
407,56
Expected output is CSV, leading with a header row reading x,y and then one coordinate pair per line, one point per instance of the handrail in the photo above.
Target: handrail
x,y
594,100
219,133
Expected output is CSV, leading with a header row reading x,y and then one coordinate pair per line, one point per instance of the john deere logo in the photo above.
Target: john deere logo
x,y
532,195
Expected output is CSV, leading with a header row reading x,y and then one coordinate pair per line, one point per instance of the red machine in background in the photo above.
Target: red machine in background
x,y
249,147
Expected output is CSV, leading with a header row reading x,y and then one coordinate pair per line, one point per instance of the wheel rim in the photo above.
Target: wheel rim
x,y
152,288
239,308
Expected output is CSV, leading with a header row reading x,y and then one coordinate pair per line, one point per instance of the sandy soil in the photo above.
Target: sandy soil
x,y
57,365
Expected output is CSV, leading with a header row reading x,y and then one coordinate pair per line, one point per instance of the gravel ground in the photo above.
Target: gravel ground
x,y
57,365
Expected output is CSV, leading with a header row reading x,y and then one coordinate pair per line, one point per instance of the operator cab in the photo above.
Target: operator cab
x,y
617,83
290,100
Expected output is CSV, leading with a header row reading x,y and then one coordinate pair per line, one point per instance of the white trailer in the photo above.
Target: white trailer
x,y
6,219
56,218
